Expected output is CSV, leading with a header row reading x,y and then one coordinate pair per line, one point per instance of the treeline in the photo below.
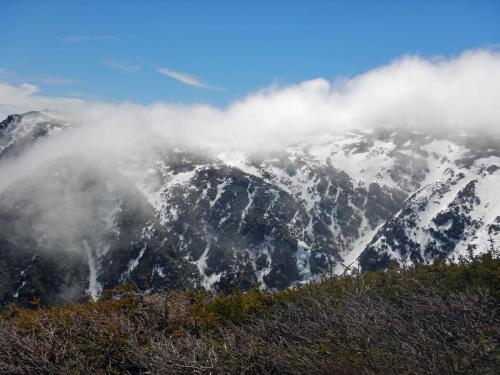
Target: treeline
x,y
434,319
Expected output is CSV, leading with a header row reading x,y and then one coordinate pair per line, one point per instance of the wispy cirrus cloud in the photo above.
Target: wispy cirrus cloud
x,y
122,65
56,81
186,78
86,38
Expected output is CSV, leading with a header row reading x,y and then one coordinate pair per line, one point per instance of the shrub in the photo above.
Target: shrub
x,y
437,319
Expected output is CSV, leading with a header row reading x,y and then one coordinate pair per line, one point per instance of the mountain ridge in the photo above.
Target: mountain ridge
x,y
219,220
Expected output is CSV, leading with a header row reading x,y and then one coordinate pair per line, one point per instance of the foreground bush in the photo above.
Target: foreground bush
x,y
439,319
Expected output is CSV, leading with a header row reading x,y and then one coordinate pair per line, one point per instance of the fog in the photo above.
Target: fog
x,y
454,93
71,204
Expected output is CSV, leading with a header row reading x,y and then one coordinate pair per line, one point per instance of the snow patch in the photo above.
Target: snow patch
x,y
95,288
133,264
220,190
302,258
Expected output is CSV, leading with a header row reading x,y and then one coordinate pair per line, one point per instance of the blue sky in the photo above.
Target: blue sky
x,y
217,52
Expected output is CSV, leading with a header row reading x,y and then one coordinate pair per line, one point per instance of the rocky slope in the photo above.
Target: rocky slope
x,y
185,217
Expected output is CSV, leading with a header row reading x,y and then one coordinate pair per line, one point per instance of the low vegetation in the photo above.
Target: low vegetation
x,y
437,319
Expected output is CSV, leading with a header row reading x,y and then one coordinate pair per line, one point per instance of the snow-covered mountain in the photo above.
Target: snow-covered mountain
x,y
186,217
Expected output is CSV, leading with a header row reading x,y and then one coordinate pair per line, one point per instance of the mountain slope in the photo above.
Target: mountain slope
x,y
457,215
171,217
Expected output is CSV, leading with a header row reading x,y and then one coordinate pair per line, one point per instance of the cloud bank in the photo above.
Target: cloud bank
x,y
411,91
129,138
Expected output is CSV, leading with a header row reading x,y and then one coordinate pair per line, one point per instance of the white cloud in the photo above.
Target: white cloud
x,y
86,38
120,65
460,92
186,78
23,98
443,94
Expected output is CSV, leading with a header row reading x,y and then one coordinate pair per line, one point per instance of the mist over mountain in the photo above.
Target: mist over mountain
x,y
288,184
